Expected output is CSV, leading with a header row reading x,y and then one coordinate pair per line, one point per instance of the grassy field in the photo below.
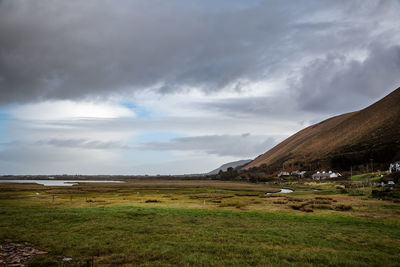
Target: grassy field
x,y
373,176
203,223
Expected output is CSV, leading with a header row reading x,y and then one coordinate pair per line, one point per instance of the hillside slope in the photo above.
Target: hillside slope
x,y
233,164
356,138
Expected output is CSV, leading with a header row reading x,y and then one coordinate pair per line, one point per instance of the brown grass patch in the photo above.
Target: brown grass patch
x,y
247,194
280,202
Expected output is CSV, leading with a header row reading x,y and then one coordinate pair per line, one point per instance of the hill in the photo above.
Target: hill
x,y
233,164
362,139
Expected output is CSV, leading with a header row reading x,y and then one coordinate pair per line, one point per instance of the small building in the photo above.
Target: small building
x,y
325,175
334,174
394,167
283,174
389,183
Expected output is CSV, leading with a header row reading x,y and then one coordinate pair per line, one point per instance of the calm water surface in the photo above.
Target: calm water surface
x,y
57,182
283,190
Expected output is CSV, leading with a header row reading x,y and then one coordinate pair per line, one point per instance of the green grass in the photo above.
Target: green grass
x,y
361,176
373,176
187,237
134,233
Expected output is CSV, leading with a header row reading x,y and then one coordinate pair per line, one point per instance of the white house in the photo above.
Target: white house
x,y
283,174
390,183
394,167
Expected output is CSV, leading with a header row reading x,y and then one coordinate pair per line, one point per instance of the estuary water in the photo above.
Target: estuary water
x,y
283,190
57,182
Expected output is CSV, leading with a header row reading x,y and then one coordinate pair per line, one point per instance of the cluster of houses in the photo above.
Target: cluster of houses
x,y
325,175
394,167
299,174
316,176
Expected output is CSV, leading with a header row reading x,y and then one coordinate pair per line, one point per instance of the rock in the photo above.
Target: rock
x,y
17,254
16,260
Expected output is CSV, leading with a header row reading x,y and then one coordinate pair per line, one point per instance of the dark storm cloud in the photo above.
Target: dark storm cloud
x,y
280,106
244,145
69,49
74,49
336,83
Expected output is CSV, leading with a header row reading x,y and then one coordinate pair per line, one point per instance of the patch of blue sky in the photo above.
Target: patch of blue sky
x,y
4,116
157,136
141,112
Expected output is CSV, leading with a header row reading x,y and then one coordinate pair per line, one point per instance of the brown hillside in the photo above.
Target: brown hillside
x,y
341,141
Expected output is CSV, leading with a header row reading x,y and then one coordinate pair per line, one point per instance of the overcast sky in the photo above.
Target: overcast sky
x,y
178,86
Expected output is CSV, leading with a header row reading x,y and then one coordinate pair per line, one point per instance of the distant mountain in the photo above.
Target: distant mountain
x,y
230,164
362,139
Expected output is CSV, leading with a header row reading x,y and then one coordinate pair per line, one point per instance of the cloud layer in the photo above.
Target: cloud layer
x,y
241,146
103,48
101,86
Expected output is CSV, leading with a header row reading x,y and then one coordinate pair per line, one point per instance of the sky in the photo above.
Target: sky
x,y
179,87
